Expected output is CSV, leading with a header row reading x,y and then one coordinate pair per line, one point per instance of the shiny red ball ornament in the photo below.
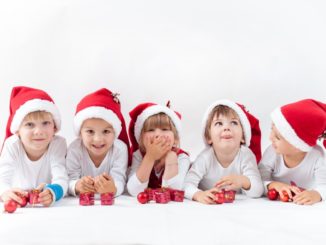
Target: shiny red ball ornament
x,y
142,197
272,194
285,197
10,206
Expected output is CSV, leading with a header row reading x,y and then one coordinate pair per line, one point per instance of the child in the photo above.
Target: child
x,y
157,161
97,160
227,162
33,156
294,158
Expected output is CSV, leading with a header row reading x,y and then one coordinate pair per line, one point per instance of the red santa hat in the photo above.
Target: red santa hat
x,y
24,100
250,125
301,123
143,111
105,105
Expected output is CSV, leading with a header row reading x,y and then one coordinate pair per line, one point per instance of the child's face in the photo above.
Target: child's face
x,y
225,132
36,134
97,136
280,144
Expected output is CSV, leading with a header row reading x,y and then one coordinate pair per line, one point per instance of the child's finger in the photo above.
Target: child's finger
x,y
40,187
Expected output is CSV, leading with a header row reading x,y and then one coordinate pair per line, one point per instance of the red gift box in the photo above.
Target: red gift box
x,y
229,196
86,199
33,196
107,198
219,197
162,195
177,195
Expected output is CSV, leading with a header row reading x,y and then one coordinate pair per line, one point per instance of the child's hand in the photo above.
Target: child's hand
x,y
282,187
157,147
85,184
45,198
13,194
104,183
307,197
171,158
233,182
206,197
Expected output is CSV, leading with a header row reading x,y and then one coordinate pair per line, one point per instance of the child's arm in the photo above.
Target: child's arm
x,y
176,172
195,174
74,158
119,166
9,158
59,182
309,197
156,148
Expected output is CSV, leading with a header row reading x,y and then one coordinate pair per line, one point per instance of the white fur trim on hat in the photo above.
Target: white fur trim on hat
x,y
287,131
32,106
152,110
242,116
97,112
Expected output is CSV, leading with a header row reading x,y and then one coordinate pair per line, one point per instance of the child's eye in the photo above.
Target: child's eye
x,y
165,129
235,123
90,131
29,124
218,123
46,123
107,131
150,130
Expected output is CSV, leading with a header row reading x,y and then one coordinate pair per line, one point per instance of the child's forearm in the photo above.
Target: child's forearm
x,y
145,169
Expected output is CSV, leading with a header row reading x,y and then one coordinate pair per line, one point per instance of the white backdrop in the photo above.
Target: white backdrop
x,y
260,53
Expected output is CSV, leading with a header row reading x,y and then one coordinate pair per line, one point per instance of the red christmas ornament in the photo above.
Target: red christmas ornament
x,y
142,197
285,197
10,206
272,194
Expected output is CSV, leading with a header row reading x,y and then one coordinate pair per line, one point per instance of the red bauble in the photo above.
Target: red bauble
x,y
24,201
142,197
285,197
10,206
272,194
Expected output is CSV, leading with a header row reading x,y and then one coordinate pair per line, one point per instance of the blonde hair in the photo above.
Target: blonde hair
x,y
160,120
39,115
218,110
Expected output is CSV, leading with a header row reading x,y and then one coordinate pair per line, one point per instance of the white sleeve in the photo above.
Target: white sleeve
x,y
7,166
134,186
119,168
320,177
73,161
177,182
194,176
250,170
266,167
58,164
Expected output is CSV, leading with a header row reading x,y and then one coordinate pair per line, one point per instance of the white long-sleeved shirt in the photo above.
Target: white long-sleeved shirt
x,y
80,164
206,171
134,185
309,174
18,171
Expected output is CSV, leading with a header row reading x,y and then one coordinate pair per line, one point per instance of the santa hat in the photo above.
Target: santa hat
x,y
24,100
105,105
301,123
250,125
143,111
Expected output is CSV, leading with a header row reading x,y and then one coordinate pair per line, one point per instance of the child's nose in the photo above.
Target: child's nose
x,y
38,130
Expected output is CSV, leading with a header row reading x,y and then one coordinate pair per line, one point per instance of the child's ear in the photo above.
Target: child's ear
x,y
242,141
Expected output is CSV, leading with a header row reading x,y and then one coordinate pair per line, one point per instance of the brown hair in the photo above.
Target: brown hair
x,y
160,120
218,110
